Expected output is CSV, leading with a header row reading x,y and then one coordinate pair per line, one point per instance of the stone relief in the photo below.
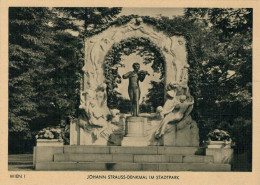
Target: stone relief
x,y
177,107
99,120
184,75
97,117
98,46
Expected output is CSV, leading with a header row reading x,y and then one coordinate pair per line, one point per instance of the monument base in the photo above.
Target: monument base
x,y
127,158
135,126
221,155
135,141
135,132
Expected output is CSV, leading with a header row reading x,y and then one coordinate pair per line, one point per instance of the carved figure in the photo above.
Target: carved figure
x,y
174,110
112,122
184,75
133,87
96,110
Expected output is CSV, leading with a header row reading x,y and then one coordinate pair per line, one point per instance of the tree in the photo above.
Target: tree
x,y
221,73
155,96
45,60
28,43
90,19
222,57
45,64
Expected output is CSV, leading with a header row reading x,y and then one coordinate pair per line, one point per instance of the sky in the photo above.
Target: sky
x,y
153,12
129,60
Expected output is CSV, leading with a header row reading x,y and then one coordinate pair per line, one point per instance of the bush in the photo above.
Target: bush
x,y
60,132
219,135
240,131
49,133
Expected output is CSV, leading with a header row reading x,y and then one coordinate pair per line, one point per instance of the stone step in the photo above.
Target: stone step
x,y
103,166
163,150
181,150
79,157
173,159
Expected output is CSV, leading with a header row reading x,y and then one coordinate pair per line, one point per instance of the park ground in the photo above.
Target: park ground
x,y
20,162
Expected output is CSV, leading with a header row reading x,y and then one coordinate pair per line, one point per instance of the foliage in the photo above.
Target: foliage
x,y
59,132
155,96
94,18
123,105
45,64
20,142
142,47
219,135
221,57
49,133
28,42
177,27
241,133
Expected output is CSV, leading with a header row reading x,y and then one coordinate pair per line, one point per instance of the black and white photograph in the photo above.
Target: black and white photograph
x,y
130,89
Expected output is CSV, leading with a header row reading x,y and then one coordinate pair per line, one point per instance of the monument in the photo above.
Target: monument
x,y
176,127
168,141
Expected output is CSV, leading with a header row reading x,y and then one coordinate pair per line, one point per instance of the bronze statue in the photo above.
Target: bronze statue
x,y
133,87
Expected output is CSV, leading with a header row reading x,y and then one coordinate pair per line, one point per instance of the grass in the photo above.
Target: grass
x,y
20,162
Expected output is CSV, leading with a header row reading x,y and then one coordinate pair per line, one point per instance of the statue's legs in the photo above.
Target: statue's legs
x,y
160,131
171,117
136,101
131,95
134,95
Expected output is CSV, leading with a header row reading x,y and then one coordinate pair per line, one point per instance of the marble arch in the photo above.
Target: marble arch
x,y
96,47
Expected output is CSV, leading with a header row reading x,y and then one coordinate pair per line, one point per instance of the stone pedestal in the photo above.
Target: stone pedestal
x,y
221,155
74,133
135,132
135,126
49,142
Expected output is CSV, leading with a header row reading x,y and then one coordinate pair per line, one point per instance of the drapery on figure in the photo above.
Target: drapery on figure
x,y
133,87
97,118
175,109
96,110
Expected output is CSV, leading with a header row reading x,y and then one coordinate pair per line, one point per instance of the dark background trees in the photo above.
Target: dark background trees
x,y
221,73
29,41
45,62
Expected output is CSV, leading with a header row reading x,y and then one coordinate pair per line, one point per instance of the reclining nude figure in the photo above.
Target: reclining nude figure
x,y
174,110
